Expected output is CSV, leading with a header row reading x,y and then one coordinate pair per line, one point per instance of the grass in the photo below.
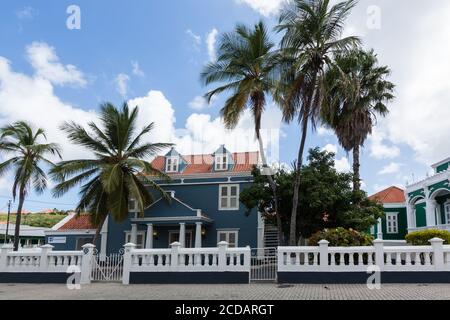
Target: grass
x,y
45,220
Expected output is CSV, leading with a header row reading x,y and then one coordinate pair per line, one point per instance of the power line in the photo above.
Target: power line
x,y
43,202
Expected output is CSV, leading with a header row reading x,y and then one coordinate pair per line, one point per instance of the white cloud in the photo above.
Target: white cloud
x,y
378,148
323,131
26,13
330,148
198,103
121,81
391,168
137,69
47,66
342,165
196,39
264,7
211,39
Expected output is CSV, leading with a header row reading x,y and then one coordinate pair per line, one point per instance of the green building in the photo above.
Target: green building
x,y
423,205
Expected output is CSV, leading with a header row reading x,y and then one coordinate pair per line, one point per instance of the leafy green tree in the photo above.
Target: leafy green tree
x,y
27,157
357,91
245,67
118,171
327,199
312,35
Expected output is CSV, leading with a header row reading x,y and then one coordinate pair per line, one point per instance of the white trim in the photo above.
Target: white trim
x,y
394,205
221,165
63,221
187,218
394,229
437,164
219,174
70,232
228,197
227,232
425,183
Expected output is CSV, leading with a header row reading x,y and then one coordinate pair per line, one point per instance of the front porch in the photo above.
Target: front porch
x,y
428,203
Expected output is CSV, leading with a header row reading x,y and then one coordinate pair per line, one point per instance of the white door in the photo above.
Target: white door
x,y
174,236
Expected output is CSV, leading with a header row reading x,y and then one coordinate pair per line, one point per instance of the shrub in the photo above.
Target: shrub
x,y
341,237
421,238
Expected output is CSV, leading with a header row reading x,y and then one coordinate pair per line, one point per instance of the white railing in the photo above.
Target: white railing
x,y
177,259
45,260
437,227
358,259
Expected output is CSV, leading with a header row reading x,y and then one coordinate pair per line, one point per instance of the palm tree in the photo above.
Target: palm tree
x,y
117,172
312,35
357,91
245,67
28,155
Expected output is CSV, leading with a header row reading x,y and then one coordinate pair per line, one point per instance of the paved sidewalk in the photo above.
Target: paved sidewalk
x,y
224,292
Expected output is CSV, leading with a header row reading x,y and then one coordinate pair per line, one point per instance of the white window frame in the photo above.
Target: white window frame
x,y
138,233
447,212
174,164
187,232
229,197
133,209
227,237
392,217
221,163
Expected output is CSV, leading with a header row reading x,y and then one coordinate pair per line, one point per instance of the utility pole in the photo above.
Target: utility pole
x,y
7,222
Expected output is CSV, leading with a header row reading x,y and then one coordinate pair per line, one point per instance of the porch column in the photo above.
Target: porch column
x,y
133,238
104,240
182,235
149,239
380,230
410,216
198,234
431,212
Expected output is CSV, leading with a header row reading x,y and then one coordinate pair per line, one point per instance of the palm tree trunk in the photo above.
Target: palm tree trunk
x,y
356,166
18,219
295,198
273,186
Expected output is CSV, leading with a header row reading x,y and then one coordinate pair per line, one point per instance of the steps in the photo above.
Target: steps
x,y
270,236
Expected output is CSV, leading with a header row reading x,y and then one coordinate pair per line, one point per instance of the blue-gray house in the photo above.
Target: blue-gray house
x,y
204,208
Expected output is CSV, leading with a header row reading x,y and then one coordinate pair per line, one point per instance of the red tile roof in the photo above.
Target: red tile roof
x,y
78,222
389,195
199,164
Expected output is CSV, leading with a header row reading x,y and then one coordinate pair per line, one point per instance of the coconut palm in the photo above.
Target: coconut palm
x,y
117,171
312,35
357,91
28,155
245,67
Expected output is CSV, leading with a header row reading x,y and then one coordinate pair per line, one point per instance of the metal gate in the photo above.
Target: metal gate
x,y
264,263
107,268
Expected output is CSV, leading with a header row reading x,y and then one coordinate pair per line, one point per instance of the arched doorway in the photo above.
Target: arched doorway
x,y
442,201
418,212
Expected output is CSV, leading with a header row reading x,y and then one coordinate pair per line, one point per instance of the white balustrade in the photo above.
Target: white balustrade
x,y
323,258
178,259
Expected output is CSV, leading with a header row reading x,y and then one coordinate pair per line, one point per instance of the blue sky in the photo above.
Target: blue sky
x,y
151,52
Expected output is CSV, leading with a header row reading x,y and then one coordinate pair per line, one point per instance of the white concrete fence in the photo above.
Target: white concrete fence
x,y
323,258
41,262
178,259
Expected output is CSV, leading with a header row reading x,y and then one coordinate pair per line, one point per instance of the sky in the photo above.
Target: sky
x,y
59,60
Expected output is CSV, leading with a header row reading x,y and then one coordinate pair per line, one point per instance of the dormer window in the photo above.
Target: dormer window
x,y
221,162
172,164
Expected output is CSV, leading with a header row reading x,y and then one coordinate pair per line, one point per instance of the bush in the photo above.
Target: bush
x,y
341,237
421,238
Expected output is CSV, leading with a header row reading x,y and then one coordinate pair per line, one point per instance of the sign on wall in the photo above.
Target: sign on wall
x,y
57,240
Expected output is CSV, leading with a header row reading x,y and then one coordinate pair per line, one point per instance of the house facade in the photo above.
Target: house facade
x,y
422,205
204,208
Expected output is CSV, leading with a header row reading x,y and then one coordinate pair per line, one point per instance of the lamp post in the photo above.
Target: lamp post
x,y
7,221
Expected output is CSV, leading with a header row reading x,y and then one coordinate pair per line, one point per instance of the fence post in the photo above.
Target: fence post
x,y
379,253
86,263
4,255
174,255
323,250
438,253
44,263
223,247
127,262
